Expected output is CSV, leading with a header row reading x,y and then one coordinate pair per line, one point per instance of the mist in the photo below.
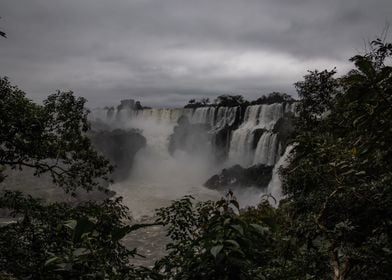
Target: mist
x,y
188,147
158,177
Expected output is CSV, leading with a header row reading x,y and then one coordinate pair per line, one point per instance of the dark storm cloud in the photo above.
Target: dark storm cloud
x,y
165,52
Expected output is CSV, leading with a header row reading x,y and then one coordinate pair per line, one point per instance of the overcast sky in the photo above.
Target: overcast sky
x,y
165,52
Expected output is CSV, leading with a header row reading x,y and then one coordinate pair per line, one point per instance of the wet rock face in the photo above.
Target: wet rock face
x,y
284,128
237,176
257,135
221,143
120,147
188,137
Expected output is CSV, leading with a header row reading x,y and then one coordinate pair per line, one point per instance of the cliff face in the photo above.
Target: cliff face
x,y
191,138
249,137
120,147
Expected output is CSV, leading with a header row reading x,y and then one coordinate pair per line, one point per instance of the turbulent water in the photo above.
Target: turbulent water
x,y
158,177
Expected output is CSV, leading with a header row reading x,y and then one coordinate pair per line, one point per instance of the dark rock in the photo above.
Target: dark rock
x,y
221,134
284,128
138,105
221,141
120,147
192,138
257,133
237,176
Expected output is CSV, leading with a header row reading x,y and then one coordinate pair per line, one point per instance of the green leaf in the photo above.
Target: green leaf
x,y
365,66
81,251
51,260
259,228
233,242
84,225
216,249
71,224
238,228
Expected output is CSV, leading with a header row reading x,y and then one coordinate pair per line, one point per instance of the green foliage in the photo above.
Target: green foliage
x,y
339,181
316,94
213,240
335,222
238,100
204,102
273,97
60,241
226,100
50,138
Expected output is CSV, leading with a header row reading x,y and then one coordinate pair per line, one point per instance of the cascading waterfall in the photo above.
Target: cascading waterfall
x,y
258,118
203,115
252,141
266,150
157,177
213,116
275,185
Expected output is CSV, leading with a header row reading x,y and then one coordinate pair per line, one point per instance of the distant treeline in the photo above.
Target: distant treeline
x,y
227,100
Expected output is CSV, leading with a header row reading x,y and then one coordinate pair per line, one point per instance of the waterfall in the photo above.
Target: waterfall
x,y
266,150
257,117
275,185
241,147
204,115
244,147
159,176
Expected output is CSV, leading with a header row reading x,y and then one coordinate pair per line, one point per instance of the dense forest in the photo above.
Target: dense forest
x,y
227,100
334,223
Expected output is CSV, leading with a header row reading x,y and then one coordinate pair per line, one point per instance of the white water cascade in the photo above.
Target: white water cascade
x,y
158,177
275,185
215,117
258,118
267,149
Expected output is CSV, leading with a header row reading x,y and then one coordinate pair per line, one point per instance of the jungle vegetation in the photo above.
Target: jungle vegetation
x,y
334,223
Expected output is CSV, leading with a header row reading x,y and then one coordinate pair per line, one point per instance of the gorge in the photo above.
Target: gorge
x,y
186,148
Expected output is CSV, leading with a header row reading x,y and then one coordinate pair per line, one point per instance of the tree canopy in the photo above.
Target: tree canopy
x,y
57,240
334,223
339,181
50,138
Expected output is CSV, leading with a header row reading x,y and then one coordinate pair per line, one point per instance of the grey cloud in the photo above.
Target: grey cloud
x,y
165,52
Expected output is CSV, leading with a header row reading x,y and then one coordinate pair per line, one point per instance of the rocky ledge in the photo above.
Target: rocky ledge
x,y
237,176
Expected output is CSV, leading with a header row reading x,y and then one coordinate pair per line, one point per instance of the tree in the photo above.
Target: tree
x,y
212,240
205,101
61,241
316,93
49,138
230,100
273,97
339,181
193,103
57,240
